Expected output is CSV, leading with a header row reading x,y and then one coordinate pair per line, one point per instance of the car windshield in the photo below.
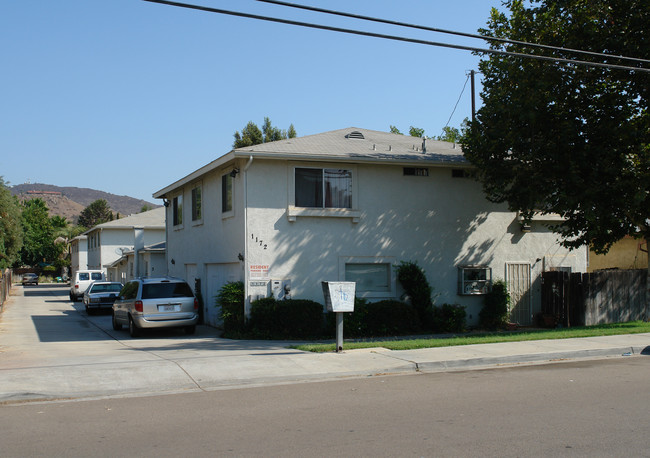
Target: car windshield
x,y
107,288
96,276
162,290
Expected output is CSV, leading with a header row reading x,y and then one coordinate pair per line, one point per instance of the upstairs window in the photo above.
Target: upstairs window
x,y
177,210
226,193
196,204
323,188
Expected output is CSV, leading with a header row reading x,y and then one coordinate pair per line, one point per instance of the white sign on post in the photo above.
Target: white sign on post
x,y
339,295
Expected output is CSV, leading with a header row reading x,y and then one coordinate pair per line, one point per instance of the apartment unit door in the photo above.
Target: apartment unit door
x,y
518,280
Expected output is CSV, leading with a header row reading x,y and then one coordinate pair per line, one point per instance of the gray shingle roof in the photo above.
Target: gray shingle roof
x,y
352,144
362,144
151,219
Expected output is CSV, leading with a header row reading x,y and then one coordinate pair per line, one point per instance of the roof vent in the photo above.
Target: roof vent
x,y
355,134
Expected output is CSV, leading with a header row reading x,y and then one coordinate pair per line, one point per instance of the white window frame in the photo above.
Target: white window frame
x,y
294,212
389,260
468,286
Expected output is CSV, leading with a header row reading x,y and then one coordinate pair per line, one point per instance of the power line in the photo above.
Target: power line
x,y
398,38
452,32
458,101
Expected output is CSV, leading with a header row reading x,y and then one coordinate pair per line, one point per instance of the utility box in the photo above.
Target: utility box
x,y
281,289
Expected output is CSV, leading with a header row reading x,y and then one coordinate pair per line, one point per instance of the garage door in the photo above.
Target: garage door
x,y
217,276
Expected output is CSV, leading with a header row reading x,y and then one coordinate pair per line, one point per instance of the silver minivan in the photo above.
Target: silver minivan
x,y
156,303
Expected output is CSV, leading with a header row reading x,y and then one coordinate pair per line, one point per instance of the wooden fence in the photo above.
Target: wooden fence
x,y
585,299
5,286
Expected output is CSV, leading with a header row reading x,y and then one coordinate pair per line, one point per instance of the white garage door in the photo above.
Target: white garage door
x,y
217,276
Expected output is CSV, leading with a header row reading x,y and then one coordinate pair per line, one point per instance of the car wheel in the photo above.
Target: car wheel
x,y
71,298
116,326
134,331
189,330
88,311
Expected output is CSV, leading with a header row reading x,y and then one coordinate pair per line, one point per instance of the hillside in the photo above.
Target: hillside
x,y
68,202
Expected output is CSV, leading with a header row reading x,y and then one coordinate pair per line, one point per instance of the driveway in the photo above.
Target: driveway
x,y
51,349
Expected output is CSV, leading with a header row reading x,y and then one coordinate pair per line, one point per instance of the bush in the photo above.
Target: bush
x,y
289,319
377,319
417,288
231,300
449,318
494,314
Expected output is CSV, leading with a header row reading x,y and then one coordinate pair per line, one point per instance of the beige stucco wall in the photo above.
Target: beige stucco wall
x,y
625,254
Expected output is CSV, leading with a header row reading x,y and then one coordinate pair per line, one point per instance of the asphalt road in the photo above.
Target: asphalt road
x,y
588,408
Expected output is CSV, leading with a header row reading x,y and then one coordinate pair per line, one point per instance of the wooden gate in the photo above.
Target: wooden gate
x,y
610,296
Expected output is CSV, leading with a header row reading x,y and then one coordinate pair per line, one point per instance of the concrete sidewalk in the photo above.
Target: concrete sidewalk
x,y
55,351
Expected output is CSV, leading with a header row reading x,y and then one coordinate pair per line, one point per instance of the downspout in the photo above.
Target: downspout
x,y
166,205
138,235
247,302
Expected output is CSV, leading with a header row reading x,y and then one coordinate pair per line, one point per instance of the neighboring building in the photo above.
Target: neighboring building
x,y
152,262
78,254
628,253
107,242
348,205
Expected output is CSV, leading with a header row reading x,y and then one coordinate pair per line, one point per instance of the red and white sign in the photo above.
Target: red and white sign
x,y
258,271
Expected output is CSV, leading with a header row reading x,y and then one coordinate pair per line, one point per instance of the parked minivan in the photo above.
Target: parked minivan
x,y
156,303
82,280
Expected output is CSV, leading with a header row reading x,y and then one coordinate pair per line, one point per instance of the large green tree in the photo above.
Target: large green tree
x,y
11,233
38,234
251,134
567,138
97,212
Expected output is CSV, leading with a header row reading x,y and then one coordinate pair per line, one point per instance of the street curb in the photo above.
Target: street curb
x,y
440,366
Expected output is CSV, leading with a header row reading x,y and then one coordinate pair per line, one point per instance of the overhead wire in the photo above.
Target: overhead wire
x,y
398,38
458,101
452,32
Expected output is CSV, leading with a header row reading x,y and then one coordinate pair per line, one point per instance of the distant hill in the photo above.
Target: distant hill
x,y
68,202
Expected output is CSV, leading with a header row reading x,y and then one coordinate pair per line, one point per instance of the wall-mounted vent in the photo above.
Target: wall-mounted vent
x,y
416,172
355,134
463,173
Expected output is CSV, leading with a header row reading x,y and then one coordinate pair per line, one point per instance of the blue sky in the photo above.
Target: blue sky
x,y
127,96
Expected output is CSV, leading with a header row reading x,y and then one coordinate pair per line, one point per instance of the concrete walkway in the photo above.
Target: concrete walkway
x,y
50,349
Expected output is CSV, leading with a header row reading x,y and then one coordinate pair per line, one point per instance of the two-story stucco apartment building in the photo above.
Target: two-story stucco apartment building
x,y
348,205
104,244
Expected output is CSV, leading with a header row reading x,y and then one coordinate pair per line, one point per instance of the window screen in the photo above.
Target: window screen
x,y
372,277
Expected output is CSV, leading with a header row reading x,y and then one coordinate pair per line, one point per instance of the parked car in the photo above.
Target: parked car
x,y
30,279
101,295
156,303
82,280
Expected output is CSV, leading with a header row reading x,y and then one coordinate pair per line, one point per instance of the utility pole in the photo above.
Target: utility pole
x,y
472,72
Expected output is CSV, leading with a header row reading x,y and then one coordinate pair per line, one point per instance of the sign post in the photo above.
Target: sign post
x,y
339,298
